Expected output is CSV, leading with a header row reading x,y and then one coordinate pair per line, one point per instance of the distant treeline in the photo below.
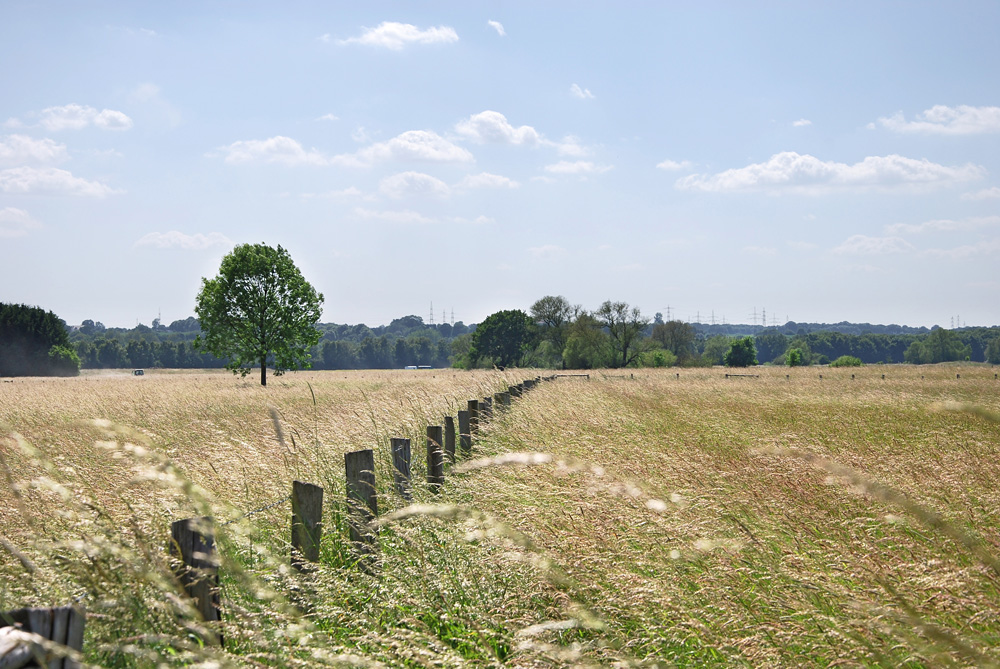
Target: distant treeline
x,y
405,341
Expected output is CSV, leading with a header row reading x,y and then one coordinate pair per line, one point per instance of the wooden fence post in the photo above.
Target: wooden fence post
x,y
401,467
473,418
192,542
63,625
307,523
464,434
435,458
505,399
362,503
449,438
515,391
486,409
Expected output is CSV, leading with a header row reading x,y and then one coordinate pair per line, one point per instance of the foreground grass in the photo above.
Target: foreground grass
x,y
684,521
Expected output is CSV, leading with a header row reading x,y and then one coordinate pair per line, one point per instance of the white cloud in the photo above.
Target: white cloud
x,y
674,166
395,36
986,247
801,123
492,126
865,245
413,183
15,223
547,252
478,220
19,149
571,146
582,93
944,120
75,117
807,174
486,180
985,194
173,238
328,117
50,180
279,149
496,25
405,217
943,225
577,167
325,37
802,246
413,145
150,97
360,135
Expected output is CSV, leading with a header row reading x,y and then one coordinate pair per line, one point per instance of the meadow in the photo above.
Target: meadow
x,y
655,518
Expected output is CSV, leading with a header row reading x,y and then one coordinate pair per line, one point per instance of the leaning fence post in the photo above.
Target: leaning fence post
x,y
63,626
465,435
473,417
192,542
449,438
362,503
307,522
401,467
505,399
435,458
486,409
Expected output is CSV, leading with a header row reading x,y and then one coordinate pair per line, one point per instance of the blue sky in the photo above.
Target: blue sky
x,y
814,161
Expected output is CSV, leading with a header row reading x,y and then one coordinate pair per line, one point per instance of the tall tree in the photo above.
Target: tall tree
x,y
625,325
258,310
742,353
34,342
503,338
553,314
677,337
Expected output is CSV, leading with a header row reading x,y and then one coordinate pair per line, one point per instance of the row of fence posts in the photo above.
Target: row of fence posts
x,y
192,540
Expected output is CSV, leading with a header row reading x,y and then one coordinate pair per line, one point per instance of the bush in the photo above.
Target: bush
x,y
846,361
63,361
742,353
794,357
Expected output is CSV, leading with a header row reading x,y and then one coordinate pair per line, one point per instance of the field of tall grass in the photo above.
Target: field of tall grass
x,y
644,519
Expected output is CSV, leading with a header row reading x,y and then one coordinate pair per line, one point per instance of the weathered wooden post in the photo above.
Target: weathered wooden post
x,y
474,418
486,409
515,391
449,438
505,399
63,625
435,458
401,467
192,543
498,401
464,434
362,502
307,523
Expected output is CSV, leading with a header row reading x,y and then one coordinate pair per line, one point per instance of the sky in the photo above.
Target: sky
x,y
711,161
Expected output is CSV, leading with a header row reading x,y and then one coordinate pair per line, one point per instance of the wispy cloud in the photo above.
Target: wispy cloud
x,y
577,167
408,184
413,145
865,245
405,217
985,194
395,36
801,123
176,239
570,146
547,251
982,248
675,166
496,25
582,93
50,180
944,120
328,117
20,149
944,225
486,180
16,223
790,171
760,251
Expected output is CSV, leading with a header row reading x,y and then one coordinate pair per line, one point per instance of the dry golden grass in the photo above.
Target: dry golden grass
x,y
688,521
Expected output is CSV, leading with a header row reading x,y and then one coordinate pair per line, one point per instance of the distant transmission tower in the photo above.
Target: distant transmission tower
x,y
432,314
453,316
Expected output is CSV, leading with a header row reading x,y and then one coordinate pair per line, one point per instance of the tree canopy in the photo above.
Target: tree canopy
x,y
503,337
742,353
258,310
34,342
625,325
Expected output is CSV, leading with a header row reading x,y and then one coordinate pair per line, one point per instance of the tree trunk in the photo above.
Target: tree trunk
x,y
263,371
